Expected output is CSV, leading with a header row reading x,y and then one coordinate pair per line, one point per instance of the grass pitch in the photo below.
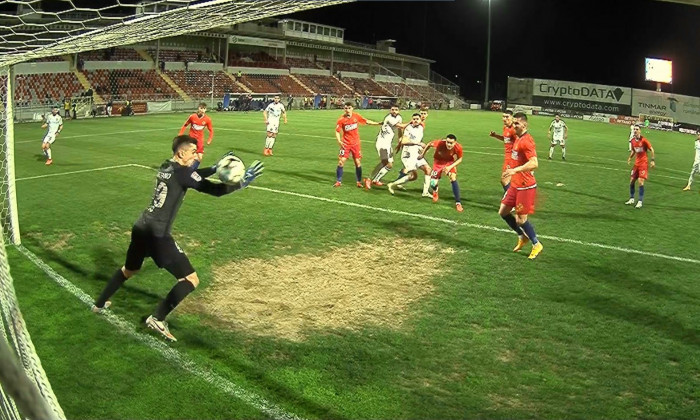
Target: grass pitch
x,y
346,303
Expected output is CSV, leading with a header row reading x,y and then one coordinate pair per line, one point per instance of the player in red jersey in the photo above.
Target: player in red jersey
x,y
448,154
523,187
423,116
197,122
508,138
348,136
640,171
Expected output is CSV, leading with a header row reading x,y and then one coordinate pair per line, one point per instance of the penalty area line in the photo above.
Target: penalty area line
x,y
478,226
178,359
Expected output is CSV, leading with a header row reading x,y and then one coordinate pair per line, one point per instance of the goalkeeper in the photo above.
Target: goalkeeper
x,y
151,237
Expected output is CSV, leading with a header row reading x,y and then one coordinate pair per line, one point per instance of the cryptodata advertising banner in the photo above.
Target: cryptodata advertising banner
x,y
683,109
585,98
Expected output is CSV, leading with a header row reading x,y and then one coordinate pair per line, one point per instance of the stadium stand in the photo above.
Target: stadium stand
x,y
199,84
46,88
325,85
260,83
258,59
111,54
366,87
130,84
288,86
177,55
300,62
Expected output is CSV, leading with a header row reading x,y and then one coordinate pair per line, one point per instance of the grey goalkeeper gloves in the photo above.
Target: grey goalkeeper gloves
x,y
254,171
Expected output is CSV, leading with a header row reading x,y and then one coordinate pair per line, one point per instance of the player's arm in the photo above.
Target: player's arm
x,y
496,136
184,126
530,165
549,130
425,149
284,114
60,127
653,156
265,115
629,158
566,131
210,127
449,167
338,136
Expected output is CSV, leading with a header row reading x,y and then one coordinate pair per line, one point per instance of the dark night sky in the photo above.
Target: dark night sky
x,y
578,40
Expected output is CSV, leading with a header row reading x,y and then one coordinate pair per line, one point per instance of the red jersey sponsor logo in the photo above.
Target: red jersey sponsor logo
x,y
349,127
640,147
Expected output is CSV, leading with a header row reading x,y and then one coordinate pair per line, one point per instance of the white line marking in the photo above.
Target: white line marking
x,y
477,226
74,172
38,141
169,353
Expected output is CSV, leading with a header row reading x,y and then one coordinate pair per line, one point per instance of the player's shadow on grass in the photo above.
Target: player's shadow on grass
x,y
216,346
301,175
641,316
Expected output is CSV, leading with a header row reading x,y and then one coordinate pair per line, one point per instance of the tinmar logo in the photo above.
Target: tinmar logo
x,y
672,103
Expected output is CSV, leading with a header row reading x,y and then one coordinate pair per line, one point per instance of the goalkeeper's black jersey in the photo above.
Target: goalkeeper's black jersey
x,y
172,182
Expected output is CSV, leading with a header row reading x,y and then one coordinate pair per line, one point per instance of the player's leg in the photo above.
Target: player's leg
x,y
426,177
455,190
505,211
46,146
633,181
342,157
387,162
642,179
435,176
563,150
137,252
693,171
525,205
357,158
551,148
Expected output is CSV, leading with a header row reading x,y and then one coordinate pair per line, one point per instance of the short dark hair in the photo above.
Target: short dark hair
x,y
415,115
451,137
557,115
508,111
202,105
521,116
348,103
182,140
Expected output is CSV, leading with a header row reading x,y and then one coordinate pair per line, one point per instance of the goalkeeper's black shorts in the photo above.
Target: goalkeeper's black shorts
x,y
162,249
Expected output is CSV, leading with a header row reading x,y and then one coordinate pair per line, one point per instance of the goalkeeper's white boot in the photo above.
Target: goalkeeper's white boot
x,y
629,202
99,310
161,327
639,205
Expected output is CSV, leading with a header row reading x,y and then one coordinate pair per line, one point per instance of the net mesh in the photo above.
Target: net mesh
x,y
57,31
25,391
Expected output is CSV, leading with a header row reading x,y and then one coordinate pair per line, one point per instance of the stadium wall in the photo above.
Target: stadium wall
x,y
43,68
603,103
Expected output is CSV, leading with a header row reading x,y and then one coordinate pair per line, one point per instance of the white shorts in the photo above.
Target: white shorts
x,y
558,140
273,127
49,138
385,151
413,164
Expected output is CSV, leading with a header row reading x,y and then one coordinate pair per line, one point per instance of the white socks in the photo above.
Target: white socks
x,y
269,142
426,184
551,151
381,174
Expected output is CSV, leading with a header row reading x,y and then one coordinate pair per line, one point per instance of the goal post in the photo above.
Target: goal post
x,y
9,208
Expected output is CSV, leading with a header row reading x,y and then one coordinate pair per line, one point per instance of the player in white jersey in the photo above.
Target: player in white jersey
x,y
696,164
54,125
558,133
272,115
384,148
411,146
629,143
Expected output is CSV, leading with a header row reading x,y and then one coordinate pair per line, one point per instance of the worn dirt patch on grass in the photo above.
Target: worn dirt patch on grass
x,y
346,287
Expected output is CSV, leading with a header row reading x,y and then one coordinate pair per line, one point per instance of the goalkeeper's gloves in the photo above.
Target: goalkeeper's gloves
x,y
227,154
254,171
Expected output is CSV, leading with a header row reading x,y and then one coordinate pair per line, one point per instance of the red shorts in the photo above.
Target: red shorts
x,y
522,200
349,149
438,167
640,171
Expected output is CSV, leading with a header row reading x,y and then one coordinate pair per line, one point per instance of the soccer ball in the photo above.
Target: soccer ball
x,y
230,170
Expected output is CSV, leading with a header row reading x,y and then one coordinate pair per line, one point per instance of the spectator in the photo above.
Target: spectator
x,y
187,64
161,64
290,101
66,108
74,107
108,110
81,64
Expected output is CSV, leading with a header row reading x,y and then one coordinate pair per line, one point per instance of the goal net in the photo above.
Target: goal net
x,y
37,31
